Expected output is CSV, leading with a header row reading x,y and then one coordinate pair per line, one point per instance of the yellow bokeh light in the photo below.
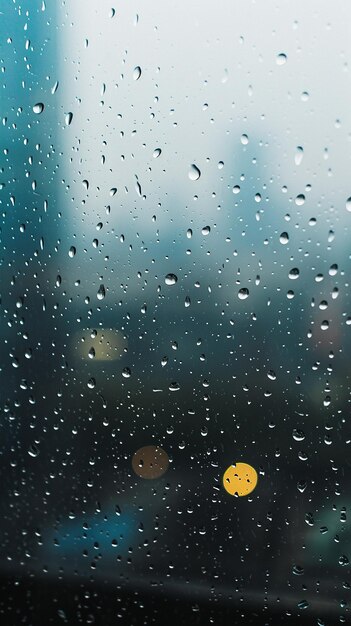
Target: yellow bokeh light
x,y
240,479
104,344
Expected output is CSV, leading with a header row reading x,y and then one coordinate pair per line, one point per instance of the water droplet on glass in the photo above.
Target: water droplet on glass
x,y
298,155
284,238
281,59
298,434
194,172
38,108
101,293
91,353
91,383
294,273
137,72
156,153
171,279
300,199
72,251
243,293
244,139
33,450
303,604
348,204
55,87
206,230
126,373
68,118
174,387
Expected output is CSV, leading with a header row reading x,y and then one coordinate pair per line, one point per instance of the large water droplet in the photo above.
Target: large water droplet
x,y
72,251
38,108
171,279
284,238
101,293
243,293
126,373
194,172
294,273
68,118
300,199
348,204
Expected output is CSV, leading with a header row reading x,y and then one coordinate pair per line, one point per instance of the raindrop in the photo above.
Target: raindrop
x,y
126,373
33,450
284,238
156,153
243,293
244,139
68,118
72,251
298,155
101,293
171,279
300,199
303,604
91,383
174,387
55,87
348,202
137,72
281,59
294,273
298,435
39,108
194,172
206,230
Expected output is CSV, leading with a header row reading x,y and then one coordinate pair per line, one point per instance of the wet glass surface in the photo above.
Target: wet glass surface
x,y
175,313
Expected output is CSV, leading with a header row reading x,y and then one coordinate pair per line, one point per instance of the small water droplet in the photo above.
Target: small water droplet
x,y
68,118
206,230
281,58
303,605
33,450
72,251
244,139
38,108
194,172
171,279
137,72
298,155
91,383
126,373
156,153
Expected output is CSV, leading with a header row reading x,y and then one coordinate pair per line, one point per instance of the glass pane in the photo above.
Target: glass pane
x,y
175,307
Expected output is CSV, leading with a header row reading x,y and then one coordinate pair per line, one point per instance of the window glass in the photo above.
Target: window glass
x,y
175,312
